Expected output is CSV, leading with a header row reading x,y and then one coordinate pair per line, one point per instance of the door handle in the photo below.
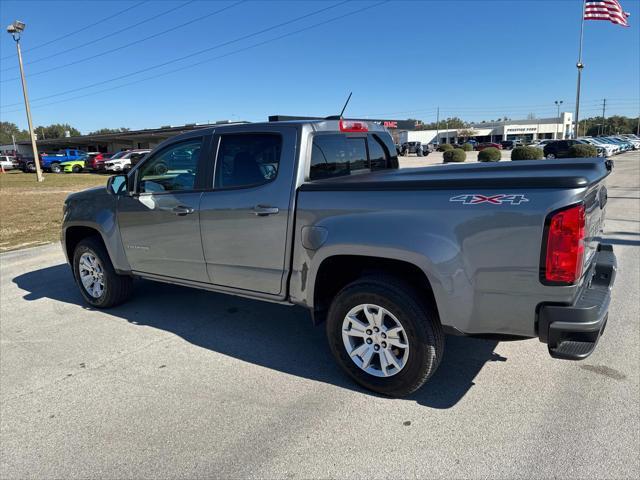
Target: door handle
x,y
264,210
181,210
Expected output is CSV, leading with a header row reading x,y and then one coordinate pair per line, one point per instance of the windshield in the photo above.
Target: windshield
x,y
119,155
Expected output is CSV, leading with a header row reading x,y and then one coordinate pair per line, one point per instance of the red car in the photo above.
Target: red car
x,y
96,160
482,146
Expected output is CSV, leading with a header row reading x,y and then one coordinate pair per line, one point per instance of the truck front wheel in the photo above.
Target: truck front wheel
x,y
384,335
99,283
55,167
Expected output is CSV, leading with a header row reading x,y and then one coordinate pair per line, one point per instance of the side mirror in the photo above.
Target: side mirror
x,y
117,184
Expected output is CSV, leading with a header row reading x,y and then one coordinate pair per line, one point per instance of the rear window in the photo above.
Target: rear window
x,y
336,155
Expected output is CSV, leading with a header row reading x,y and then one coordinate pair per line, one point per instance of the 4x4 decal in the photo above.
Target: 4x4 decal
x,y
499,199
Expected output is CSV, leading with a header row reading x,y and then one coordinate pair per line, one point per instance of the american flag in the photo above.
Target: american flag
x,y
605,10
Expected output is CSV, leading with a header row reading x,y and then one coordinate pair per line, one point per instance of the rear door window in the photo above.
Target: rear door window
x,y
336,155
247,160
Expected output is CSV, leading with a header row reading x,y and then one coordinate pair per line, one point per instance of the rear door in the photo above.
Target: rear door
x,y
245,214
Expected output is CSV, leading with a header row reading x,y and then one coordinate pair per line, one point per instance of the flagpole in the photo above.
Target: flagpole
x,y
579,66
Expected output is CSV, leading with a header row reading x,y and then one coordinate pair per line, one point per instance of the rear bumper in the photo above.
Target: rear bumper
x,y
571,332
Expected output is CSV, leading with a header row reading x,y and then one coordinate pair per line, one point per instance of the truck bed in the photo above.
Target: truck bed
x,y
570,173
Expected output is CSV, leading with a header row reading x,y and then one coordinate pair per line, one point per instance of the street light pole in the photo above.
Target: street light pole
x,y
558,104
16,29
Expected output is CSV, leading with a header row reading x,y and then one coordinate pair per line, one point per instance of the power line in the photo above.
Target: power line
x,y
110,34
80,29
153,67
324,22
121,47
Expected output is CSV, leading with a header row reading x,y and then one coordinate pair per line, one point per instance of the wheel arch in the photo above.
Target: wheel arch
x,y
337,271
74,234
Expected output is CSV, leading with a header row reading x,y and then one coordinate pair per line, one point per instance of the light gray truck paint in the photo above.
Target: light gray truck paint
x,y
481,260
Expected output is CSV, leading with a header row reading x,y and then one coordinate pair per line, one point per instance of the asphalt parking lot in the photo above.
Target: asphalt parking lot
x,y
184,383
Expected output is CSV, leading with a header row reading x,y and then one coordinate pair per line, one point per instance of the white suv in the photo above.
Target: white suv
x,y
121,161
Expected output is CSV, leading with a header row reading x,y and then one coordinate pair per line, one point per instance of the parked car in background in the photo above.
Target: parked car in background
x,y
607,149
26,163
633,144
511,144
559,148
121,161
8,163
602,152
96,160
136,157
318,214
614,147
541,143
74,166
52,162
624,145
414,147
483,145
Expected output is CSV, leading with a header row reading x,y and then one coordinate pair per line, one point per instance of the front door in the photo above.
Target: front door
x,y
245,218
159,223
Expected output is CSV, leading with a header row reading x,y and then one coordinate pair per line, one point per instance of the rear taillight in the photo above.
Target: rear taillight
x,y
565,246
353,126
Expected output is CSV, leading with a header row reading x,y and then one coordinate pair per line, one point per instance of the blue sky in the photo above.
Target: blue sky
x,y
478,60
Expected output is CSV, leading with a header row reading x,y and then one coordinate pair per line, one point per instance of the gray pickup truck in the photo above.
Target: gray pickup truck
x,y
318,214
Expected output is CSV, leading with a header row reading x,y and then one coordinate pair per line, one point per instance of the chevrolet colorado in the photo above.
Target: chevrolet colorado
x,y
318,214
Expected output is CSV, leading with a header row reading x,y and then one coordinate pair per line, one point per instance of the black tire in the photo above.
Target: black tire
x,y
117,288
55,167
550,156
76,169
419,320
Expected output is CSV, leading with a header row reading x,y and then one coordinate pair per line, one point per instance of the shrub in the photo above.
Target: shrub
x,y
454,155
490,154
467,147
581,151
445,147
526,153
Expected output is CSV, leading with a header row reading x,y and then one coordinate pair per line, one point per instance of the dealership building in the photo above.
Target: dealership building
x,y
530,129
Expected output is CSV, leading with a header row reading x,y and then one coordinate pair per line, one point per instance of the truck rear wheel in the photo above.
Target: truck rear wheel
x,y
99,283
384,335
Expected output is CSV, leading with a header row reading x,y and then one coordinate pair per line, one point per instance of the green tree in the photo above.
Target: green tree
x,y
56,130
109,130
612,125
467,132
451,123
7,129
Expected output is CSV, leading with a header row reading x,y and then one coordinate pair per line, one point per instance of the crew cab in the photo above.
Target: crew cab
x,y
318,214
52,162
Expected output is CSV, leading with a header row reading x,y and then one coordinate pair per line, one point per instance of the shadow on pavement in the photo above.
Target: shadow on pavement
x,y
270,335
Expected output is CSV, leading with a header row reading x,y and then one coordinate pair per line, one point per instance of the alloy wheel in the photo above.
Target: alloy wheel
x,y
91,274
375,340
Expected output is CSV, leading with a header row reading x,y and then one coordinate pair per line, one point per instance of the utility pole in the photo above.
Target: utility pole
x,y
438,126
604,106
16,29
447,125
